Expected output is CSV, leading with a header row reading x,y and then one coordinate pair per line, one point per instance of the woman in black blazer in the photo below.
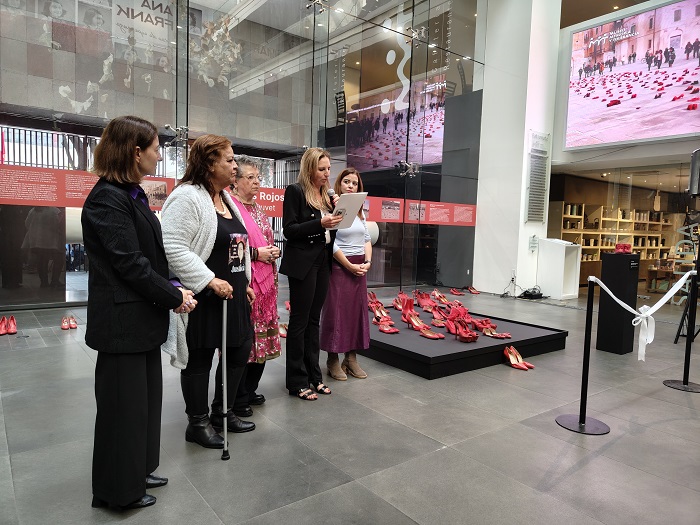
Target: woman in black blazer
x,y
307,264
129,296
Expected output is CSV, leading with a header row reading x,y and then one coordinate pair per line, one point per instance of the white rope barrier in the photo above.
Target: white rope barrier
x,y
643,317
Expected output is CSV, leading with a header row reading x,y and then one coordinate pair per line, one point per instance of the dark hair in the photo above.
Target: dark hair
x,y
90,14
339,180
115,154
47,7
206,150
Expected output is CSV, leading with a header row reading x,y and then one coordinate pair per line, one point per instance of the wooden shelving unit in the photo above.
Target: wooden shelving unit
x,y
599,228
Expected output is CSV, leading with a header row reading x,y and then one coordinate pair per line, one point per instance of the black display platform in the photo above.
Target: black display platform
x,y
432,359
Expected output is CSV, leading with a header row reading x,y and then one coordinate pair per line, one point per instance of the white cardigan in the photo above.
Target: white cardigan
x,y
189,230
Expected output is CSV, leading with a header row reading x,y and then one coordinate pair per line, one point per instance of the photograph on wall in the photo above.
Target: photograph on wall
x,y
95,17
195,22
57,10
636,78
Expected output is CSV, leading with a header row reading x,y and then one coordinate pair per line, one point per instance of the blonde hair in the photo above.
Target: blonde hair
x,y
309,164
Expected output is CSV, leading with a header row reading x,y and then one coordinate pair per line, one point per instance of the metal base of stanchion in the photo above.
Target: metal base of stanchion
x,y
678,385
592,427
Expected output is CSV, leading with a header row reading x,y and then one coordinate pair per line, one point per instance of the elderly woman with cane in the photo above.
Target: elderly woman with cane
x,y
202,231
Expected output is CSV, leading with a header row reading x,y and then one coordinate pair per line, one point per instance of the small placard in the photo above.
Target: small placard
x,y
634,264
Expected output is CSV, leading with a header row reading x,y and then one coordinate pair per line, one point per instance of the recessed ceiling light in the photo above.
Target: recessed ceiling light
x,y
320,25
474,14
629,177
615,7
357,63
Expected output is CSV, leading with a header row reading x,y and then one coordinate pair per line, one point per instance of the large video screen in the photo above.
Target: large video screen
x,y
636,78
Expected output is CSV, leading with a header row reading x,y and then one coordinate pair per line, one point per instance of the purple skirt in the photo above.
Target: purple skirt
x,y
344,318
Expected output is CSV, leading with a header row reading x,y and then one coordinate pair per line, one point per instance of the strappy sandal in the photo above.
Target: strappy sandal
x,y
322,389
304,393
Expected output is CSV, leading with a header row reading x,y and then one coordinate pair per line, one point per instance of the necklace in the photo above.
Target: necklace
x,y
222,205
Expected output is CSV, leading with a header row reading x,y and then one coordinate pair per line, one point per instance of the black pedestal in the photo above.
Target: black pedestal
x,y
620,273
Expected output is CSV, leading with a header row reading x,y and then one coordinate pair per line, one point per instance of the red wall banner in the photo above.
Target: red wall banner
x,y
28,186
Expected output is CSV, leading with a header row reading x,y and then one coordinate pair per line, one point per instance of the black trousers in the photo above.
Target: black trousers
x,y
200,362
306,297
129,394
249,384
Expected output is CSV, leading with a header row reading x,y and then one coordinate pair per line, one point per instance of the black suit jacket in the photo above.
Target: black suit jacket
x,y
129,294
301,225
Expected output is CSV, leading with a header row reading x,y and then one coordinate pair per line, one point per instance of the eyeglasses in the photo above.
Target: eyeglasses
x,y
251,178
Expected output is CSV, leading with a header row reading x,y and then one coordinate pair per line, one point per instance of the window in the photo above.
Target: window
x,y
651,23
633,29
697,10
649,44
677,15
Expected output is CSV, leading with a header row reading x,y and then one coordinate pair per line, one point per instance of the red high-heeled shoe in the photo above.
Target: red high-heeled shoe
x,y
429,334
388,329
396,303
3,325
72,323
11,325
519,358
379,311
439,296
464,334
473,290
282,329
513,360
64,324
287,306
455,291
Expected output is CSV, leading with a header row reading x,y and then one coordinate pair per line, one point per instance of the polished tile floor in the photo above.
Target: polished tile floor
x,y
476,448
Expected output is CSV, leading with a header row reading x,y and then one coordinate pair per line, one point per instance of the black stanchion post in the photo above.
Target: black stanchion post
x,y
689,337
583,424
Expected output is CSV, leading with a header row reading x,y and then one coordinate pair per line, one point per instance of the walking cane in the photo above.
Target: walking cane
x,y
224,455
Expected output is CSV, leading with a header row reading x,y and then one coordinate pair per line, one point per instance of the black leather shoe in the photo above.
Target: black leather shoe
x,y
233,423
146,501
153,481
257,399
238,425
243,412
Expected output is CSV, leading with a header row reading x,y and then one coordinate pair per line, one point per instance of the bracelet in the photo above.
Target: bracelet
x,y
368,262
255,254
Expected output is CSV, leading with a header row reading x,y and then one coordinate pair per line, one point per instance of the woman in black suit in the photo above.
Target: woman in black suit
x,y
128,302
307,263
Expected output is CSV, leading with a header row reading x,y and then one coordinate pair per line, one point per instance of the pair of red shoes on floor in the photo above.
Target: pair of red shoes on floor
x,y
515,359
68,323
8,326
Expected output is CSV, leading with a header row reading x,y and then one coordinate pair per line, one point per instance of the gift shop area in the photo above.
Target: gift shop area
x,y
510,149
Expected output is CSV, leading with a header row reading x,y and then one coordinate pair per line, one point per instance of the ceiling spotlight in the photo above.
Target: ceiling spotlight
x,y
615,7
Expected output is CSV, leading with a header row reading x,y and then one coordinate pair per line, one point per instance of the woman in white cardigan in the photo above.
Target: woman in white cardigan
x,y
202,228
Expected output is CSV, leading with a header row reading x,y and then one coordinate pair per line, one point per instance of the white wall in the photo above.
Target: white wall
x,y
519,79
